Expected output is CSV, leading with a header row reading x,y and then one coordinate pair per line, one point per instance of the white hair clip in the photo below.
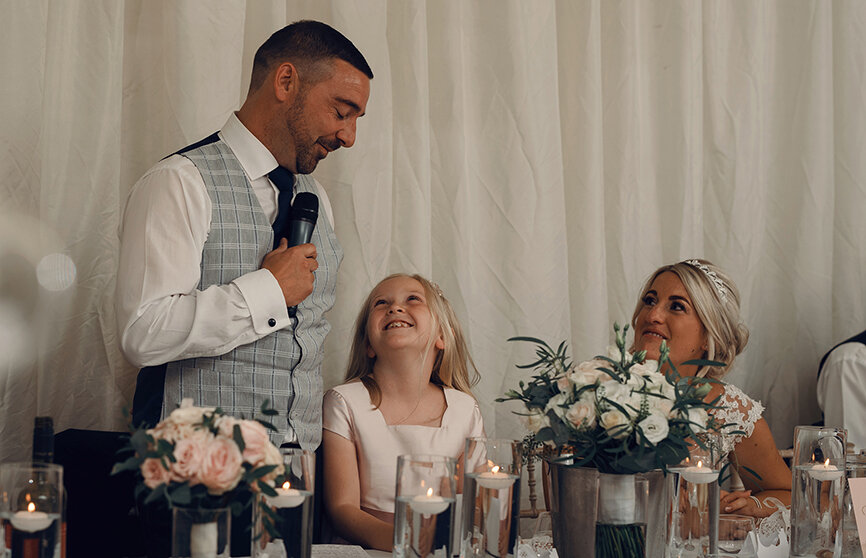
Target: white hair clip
x,y
719,284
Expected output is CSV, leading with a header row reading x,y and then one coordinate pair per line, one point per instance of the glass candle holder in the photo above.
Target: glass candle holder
x,y
283,524
31,503
818,489
491,497
695,508
425,506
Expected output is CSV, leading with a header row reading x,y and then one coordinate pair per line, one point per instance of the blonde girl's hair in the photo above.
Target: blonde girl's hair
x,y
717,303
453,366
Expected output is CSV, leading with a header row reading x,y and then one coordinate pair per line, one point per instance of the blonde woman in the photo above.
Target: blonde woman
x,y
407,390
695,307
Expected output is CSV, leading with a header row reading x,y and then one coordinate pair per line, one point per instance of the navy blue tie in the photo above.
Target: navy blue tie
x,y
285,182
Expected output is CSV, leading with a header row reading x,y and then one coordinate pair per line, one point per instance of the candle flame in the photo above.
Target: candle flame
x,y
700,464
287,485
827,463
31,507
495,469
429,492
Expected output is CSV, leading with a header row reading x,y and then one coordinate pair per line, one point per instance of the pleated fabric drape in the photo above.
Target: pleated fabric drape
x,y
536,159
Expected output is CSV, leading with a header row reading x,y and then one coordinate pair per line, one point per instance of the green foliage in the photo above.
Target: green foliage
x,y
554,389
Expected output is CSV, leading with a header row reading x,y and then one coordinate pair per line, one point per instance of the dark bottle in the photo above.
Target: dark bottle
x,y
43,495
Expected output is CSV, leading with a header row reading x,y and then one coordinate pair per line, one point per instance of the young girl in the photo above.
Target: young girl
x,y
407,391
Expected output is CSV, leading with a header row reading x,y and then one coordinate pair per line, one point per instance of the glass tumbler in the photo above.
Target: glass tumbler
x,y
491,497
817,490
283,524
425,506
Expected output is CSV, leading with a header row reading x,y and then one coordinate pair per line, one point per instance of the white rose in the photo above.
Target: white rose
x,y
186,414
643,369
564,384
662,405
588,372
698,416
622,395
613,352
654,427
582,413
536,421
615,424
556,403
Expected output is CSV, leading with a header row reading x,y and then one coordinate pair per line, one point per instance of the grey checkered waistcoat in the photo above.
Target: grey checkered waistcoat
x,y
285,366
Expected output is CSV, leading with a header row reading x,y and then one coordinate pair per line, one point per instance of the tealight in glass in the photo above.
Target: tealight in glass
x,y
424,507
283,524
694,517
491,497
31,502
818,490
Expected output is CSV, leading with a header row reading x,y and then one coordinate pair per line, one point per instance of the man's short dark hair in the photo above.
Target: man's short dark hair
x,y
305,43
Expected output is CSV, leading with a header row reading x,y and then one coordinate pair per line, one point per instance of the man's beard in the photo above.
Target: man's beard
x,y
307,149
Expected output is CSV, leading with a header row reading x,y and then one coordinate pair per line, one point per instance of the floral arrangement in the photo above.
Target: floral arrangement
x,y
202,458
618,413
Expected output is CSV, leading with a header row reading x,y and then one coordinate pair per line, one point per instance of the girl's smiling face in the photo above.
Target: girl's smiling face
x,y
667,314
399,317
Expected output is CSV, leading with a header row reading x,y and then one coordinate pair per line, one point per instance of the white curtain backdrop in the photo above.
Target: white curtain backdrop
x,y
538,159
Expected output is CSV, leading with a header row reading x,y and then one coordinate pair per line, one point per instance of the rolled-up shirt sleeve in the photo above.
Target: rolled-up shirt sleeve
x,y
161,314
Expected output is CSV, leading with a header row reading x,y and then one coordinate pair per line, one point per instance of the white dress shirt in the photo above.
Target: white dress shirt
x,y
161,314
842,391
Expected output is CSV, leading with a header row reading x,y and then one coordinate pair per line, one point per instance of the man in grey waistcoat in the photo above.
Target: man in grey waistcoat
x,y
205,284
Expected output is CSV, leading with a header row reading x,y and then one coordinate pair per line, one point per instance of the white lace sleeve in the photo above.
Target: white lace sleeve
x,y
740,413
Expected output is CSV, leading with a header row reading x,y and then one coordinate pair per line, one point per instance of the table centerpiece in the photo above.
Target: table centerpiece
x,y
604,425
205,466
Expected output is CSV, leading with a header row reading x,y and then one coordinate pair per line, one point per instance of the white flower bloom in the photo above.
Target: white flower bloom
x,y
588,372
536,421
613,352
643,369
615,424
699,417
564,384
654,427
556,403
582,413
661,405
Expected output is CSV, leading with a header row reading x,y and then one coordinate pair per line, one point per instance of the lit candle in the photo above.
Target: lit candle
x,y
495,479
825,471
31,520
287,497
428,504
699,474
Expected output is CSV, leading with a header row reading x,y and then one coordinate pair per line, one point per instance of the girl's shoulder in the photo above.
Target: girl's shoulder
x,y
459,400
353,391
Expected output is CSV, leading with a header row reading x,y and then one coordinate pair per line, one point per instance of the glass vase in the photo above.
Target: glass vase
x,y
818,490
200,533
283,525
608,516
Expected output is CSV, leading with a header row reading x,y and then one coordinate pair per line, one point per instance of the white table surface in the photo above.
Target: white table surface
x,y
345,551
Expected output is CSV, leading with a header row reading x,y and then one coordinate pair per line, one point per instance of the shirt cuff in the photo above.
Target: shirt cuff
x,y
265,300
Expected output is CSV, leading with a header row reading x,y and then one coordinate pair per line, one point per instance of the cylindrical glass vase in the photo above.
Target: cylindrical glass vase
x,y
31,503
200,532
818,490
425,506
491,497
283,525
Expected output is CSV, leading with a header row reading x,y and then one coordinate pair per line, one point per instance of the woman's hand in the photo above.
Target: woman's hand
x,y
743,503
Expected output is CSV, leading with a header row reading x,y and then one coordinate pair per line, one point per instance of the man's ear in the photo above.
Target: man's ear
x,y
285,81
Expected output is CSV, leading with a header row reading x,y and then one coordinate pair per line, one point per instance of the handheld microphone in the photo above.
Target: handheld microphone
x,y
302,221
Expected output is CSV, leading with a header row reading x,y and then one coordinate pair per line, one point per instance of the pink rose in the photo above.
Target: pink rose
x,y
154,473
188,454
221,466
256,442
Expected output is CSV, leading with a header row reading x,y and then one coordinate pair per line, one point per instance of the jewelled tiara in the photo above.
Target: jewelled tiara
x,y
719,284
